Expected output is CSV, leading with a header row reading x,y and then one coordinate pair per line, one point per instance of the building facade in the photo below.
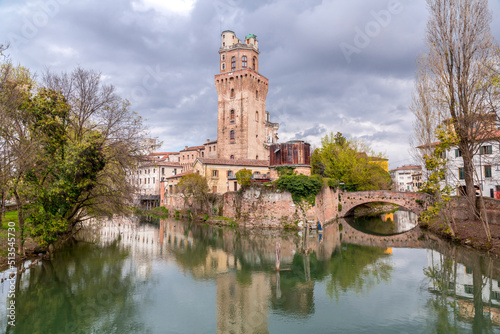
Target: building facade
x,y
244,130
403,177
486,165
148,179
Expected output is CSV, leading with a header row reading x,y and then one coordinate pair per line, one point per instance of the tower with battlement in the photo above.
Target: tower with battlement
x,y
244,130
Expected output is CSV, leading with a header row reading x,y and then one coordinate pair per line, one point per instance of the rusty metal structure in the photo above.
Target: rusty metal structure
x,y
296,152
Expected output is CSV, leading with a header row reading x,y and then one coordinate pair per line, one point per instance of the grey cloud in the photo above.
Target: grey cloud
x,y
312,88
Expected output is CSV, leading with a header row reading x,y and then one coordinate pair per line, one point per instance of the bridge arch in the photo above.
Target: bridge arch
x,y
416,202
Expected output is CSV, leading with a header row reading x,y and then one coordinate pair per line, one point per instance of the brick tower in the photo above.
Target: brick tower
x,y
244,130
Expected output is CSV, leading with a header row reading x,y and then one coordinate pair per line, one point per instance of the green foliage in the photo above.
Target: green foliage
x,y
244,177
194,186
302,187
64,170
436,163
348,161
285,170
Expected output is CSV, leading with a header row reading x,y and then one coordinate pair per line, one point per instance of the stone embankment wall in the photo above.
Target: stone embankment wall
x,y
266,208
258,206
460,209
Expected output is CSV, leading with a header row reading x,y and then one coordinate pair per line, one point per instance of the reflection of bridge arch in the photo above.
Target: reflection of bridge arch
x,y
409,239
416,202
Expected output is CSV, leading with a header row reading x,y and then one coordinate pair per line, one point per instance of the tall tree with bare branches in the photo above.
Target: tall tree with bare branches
x,y
456,68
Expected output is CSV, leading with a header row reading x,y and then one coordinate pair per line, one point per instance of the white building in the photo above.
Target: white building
x,y
148,177
404,177
486,173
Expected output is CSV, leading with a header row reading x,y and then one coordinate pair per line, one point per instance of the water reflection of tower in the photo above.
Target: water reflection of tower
x,y
242,303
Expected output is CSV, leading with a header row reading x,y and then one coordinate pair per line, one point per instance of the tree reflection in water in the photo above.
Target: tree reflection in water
x,y
79,294
357,268
461,292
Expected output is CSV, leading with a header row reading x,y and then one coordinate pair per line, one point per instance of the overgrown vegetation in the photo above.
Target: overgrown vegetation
x,y
302,187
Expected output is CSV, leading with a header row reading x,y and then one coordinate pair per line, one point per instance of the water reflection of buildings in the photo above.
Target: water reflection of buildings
x,y
240,262
460,283
403,220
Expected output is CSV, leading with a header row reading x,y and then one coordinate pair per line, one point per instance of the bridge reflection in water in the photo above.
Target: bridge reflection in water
x,y
251,296
396,222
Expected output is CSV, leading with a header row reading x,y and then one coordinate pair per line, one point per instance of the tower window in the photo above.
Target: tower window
x,y
232,93
244,62
233,63
256,94
255,63
256,116
231,117
223,57
232,157
231,136
223,66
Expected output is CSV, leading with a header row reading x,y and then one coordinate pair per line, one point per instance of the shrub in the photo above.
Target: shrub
x,y
302,187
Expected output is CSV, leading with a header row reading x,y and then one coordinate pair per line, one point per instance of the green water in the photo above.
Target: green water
x,y
173,276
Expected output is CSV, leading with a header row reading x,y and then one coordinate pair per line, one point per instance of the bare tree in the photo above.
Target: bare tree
x,y
460,50
427,116
95,107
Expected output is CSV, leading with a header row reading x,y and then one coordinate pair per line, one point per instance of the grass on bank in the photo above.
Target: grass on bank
x,y
10,216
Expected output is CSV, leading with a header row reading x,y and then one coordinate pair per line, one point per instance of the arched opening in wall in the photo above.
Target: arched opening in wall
x,y
202,154
232,93
231,116
254,63
223,66
233,63
244,62
232,157
232,137
257,157
257,94
256,116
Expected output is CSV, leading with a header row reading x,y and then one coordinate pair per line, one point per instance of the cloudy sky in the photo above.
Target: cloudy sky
x,y
332,65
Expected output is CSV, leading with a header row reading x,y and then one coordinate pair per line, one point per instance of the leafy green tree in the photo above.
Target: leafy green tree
x,y
436,165
347,161
194,189
244,177
69,146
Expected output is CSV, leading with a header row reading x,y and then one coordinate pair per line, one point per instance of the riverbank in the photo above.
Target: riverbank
x,y
471,234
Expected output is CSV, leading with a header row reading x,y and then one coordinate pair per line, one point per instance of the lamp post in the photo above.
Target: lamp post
x,y
343,185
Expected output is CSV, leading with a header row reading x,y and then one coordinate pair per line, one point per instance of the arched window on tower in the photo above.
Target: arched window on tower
x,y
223,66
256,116
231,116
232,93
256,94
232,157
231,136
233,63
254,65
244,62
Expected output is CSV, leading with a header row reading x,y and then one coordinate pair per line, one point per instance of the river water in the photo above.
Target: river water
x,y
172,276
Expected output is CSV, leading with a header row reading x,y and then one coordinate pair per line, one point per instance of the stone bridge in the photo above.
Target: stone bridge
x,y
416,202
